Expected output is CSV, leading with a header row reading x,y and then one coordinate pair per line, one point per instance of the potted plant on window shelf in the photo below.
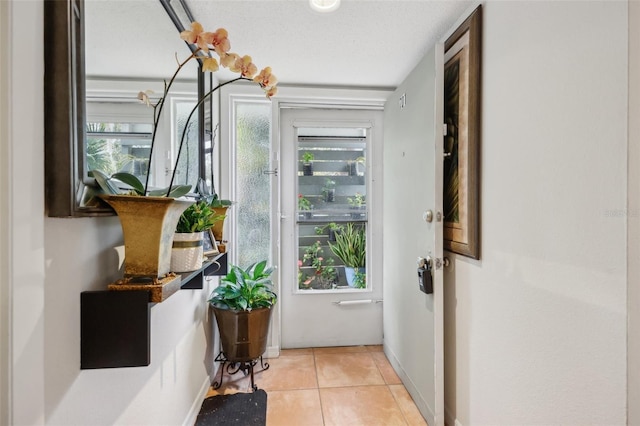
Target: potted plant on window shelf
x,y
351,249
357,203
323,274
307,163
187,252
329,190
304,207
332,229
242,305
149,217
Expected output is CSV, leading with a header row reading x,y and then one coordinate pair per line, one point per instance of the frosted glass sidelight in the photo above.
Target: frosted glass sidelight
x,y
253,146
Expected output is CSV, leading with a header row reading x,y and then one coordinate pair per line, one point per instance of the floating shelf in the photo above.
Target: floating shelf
x,y
115,323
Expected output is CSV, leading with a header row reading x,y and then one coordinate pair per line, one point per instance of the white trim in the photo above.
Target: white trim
x,y
287,97
6,359
197,404
418,399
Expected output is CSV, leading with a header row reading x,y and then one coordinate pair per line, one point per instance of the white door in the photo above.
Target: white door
x,y
319,307
413,320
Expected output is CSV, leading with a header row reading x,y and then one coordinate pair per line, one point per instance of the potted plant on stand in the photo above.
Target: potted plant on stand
x,y
187,252
351,249
242,305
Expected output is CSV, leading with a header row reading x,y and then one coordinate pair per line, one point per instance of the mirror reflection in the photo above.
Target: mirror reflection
x,y
119,126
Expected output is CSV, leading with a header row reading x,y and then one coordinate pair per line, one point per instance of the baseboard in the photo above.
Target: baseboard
x,y
272,352
450,420
422,405
195,407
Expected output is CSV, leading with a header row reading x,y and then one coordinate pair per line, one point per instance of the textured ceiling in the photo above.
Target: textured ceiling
x,y
364,43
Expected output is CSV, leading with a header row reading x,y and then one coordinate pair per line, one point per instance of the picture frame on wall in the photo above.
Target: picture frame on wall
x,y
461,198
210,247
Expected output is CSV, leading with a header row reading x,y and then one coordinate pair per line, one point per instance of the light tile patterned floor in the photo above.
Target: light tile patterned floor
x,y
350,386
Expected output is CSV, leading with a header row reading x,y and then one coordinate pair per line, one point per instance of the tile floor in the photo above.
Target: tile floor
x,y
348,386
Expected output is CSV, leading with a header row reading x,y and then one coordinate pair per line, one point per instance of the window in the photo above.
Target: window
x,y
332,210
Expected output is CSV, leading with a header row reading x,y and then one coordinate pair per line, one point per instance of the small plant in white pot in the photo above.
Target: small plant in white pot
x,y
187,251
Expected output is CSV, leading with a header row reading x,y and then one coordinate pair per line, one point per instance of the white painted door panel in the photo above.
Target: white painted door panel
x,y
413,321
312,319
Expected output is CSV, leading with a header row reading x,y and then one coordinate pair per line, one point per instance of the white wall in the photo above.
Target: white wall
x,y
536,330
25,232
52,261
5,210
633,209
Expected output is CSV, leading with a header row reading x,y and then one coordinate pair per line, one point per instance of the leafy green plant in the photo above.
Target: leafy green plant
x,y
245,289
303,203
197,217
350,246
211,197
331,225
113,185
357,200
324,274
360,279
307,157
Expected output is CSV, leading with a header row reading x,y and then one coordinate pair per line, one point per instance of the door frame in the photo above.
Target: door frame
x,y
321,303
307,97
5,217
302,96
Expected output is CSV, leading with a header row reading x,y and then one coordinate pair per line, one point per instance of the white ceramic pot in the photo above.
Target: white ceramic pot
x,y
187,253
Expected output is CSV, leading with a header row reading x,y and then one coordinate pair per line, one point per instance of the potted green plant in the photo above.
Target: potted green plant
x,y
323,274
187,251
331,228
307,165
242,305
357,202
329,190
304,207
218,205
148,253
351,248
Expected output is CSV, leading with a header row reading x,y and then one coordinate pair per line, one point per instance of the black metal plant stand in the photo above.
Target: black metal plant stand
x,y
234,366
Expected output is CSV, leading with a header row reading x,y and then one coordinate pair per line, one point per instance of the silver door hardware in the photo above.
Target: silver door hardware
x,y
439,216
425,263
356,302
446,262
271,172
425,274
427,216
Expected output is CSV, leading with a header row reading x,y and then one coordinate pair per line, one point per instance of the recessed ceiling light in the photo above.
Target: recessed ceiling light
x,y
324,5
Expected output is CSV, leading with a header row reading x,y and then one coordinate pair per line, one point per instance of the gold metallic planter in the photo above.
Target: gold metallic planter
x,y
148,225
243,334
218,226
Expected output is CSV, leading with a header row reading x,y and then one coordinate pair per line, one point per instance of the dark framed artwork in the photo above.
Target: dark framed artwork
x,y
209,246
461,198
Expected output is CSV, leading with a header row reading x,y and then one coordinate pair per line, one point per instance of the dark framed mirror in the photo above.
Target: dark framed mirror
x,y
74,138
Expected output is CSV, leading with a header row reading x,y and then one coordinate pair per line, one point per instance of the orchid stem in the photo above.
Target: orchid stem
x,y
184,130
156,118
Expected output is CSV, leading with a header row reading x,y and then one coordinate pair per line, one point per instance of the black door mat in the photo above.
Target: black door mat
x,y
237,409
